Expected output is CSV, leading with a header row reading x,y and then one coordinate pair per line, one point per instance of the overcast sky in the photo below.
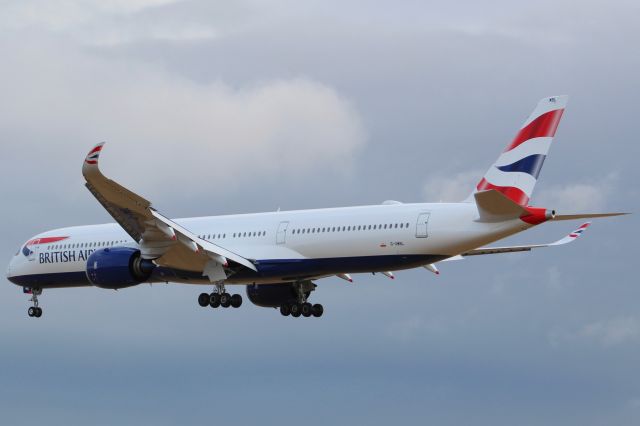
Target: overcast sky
x,y
245,106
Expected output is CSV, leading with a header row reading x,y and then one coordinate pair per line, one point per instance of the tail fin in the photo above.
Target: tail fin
x,y
516,171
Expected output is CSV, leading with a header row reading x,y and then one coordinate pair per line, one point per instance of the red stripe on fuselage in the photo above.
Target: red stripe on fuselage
x,y
543,126
511,192
46,240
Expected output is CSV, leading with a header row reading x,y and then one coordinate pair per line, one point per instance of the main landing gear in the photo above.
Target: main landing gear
x,y
220,298
35,310
302,307
305,309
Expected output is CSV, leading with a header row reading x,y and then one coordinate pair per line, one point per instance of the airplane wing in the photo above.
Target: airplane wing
x,y
571,237
161,239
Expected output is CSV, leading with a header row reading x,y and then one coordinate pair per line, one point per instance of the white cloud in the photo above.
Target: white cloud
x,y
64,100
609,332
104,23
612,332
453,188
578,197
65,14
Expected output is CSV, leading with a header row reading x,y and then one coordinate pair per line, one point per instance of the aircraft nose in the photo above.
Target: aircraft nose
x,y
10,270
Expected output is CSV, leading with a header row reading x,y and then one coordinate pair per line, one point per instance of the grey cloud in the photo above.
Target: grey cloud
x,y
420,94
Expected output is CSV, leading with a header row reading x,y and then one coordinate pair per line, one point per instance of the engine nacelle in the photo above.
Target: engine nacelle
x,y
271,295
276,295
118,267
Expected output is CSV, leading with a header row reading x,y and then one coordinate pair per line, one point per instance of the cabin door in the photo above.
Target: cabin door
x,y
281,235
422,226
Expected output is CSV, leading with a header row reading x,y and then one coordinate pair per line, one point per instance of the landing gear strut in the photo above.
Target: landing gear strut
x,y
220,297
302,307
35,310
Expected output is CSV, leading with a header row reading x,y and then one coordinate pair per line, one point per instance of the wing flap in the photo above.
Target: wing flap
x,y
204,244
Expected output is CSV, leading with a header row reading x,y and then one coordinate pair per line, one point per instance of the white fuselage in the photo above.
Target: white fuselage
x,y
285,246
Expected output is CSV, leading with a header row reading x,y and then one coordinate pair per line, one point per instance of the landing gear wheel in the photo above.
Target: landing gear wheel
x,y
34,311
214,300
317,310
203,300
285,310
306,310
236,300
296,310
225,300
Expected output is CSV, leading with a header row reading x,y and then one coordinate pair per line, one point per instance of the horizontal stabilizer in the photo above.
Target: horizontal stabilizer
x,y
586,216
493,206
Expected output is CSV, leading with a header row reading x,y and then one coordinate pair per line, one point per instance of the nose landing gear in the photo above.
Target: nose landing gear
x,y
35,310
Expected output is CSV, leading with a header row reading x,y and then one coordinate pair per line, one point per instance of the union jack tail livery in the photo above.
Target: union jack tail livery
x,y
516,170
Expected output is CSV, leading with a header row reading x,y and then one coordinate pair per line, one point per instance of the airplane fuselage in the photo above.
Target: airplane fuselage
x,y
284,246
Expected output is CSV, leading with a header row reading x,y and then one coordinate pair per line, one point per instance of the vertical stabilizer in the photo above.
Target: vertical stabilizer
x,y
516,170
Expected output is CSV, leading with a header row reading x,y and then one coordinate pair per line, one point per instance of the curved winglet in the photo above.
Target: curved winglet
x,y
91,161
572,236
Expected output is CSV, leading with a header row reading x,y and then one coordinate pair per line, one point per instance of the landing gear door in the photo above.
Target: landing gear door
x,y
422,225
281,235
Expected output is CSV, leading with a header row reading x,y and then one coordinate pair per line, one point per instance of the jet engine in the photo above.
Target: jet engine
x,y
118,267
275,295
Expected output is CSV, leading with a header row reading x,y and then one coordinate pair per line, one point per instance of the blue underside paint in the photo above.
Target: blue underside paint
x,y
54,280
281,269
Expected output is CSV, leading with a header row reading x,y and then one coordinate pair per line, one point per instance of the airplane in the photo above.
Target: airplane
x,y
278,256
